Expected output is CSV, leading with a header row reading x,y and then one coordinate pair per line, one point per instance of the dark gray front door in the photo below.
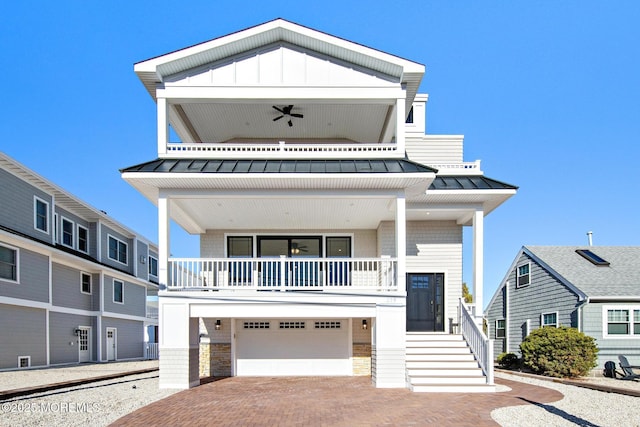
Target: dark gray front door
x,y
425,297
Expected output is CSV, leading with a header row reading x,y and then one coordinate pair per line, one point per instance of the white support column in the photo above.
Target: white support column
x,y
388,352
400,119
478,260
179,346
163,126
401,240
163,239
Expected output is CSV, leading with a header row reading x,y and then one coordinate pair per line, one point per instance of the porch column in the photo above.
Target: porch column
x,y
163,125
400,123
178,346
401,241
388,350
163,239
478,260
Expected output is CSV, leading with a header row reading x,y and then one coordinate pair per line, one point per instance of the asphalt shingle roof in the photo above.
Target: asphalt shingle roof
x,y
621,278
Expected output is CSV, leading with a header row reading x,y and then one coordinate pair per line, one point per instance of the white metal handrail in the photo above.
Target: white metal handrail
x,y
481,346
283,273
150,350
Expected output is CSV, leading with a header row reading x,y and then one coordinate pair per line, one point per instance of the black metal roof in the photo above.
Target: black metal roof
x,y
469,182
279,166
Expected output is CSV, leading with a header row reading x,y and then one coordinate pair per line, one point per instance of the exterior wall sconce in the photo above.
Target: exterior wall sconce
x,y
143,259
364,324
218,324
76,332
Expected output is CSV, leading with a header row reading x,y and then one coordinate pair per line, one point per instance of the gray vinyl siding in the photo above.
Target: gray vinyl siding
x,y
66,285
544,294
33,278
23,333
106,232
135,298
609,348
496,311
143,254
64,343
19,215
129,336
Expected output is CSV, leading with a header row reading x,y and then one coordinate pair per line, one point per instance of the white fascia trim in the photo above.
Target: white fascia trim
x,y
483,192
595,299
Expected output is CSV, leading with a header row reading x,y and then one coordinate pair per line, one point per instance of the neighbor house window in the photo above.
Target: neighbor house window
x,y
623,321
83,239
67,232
41,215
85,285
549,319
8,263
501,325
153,266
117,250
524,276
118,291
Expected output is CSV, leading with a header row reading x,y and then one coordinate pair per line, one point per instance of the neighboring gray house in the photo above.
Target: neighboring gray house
x,y
73,282
595,289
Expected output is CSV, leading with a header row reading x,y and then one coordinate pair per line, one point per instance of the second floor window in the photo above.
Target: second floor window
x,y
67,232
8,263
117,250
524,277
118,291
86,283
41,220
550,319
500,328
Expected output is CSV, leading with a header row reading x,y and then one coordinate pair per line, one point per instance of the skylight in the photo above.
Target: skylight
x,y
595,259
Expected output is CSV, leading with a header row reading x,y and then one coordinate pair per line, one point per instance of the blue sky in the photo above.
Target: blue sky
x,y
546,93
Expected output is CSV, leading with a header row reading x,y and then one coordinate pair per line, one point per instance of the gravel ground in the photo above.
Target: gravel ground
x,y
10,380
95,404
580,406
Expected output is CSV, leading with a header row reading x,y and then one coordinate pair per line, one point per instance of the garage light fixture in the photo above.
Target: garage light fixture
x,y
364,324
218,324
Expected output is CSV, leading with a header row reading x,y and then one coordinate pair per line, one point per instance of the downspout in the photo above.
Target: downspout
x,y
506,316
580,307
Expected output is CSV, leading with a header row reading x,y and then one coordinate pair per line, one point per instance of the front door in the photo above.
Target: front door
x,y
425,298
112,340
84,341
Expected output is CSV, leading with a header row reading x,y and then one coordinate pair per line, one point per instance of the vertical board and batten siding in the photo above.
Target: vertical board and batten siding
x,y
129,337
63,341
19,215
213,242
22,333
497,310
33,278
104,244
544,294
434,149
134,301
66,288
594,325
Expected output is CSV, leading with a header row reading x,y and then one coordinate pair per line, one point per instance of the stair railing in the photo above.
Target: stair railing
x,y
481,346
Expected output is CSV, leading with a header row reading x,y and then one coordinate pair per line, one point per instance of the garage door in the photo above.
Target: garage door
x,y
292,347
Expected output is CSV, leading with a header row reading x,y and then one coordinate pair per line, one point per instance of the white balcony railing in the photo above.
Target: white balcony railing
x,y
462,168
280,149
150,350
481,346
284,274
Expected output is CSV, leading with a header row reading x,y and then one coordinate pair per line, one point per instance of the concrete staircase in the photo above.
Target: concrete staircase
x,y
441,363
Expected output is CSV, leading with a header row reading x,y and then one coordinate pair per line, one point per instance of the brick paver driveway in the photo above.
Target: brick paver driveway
x,y
328,401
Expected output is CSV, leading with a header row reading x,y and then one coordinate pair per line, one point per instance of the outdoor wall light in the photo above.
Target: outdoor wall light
x,y
364,324
218,324
76,332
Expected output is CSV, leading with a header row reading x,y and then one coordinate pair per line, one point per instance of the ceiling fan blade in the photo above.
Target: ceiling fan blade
x,y
288,109
278,109
290,124
278,118
296,115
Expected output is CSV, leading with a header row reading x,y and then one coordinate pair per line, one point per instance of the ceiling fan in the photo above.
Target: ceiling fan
x,y
286,111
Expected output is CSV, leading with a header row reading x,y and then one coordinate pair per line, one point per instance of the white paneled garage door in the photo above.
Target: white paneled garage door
x,y
292,347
